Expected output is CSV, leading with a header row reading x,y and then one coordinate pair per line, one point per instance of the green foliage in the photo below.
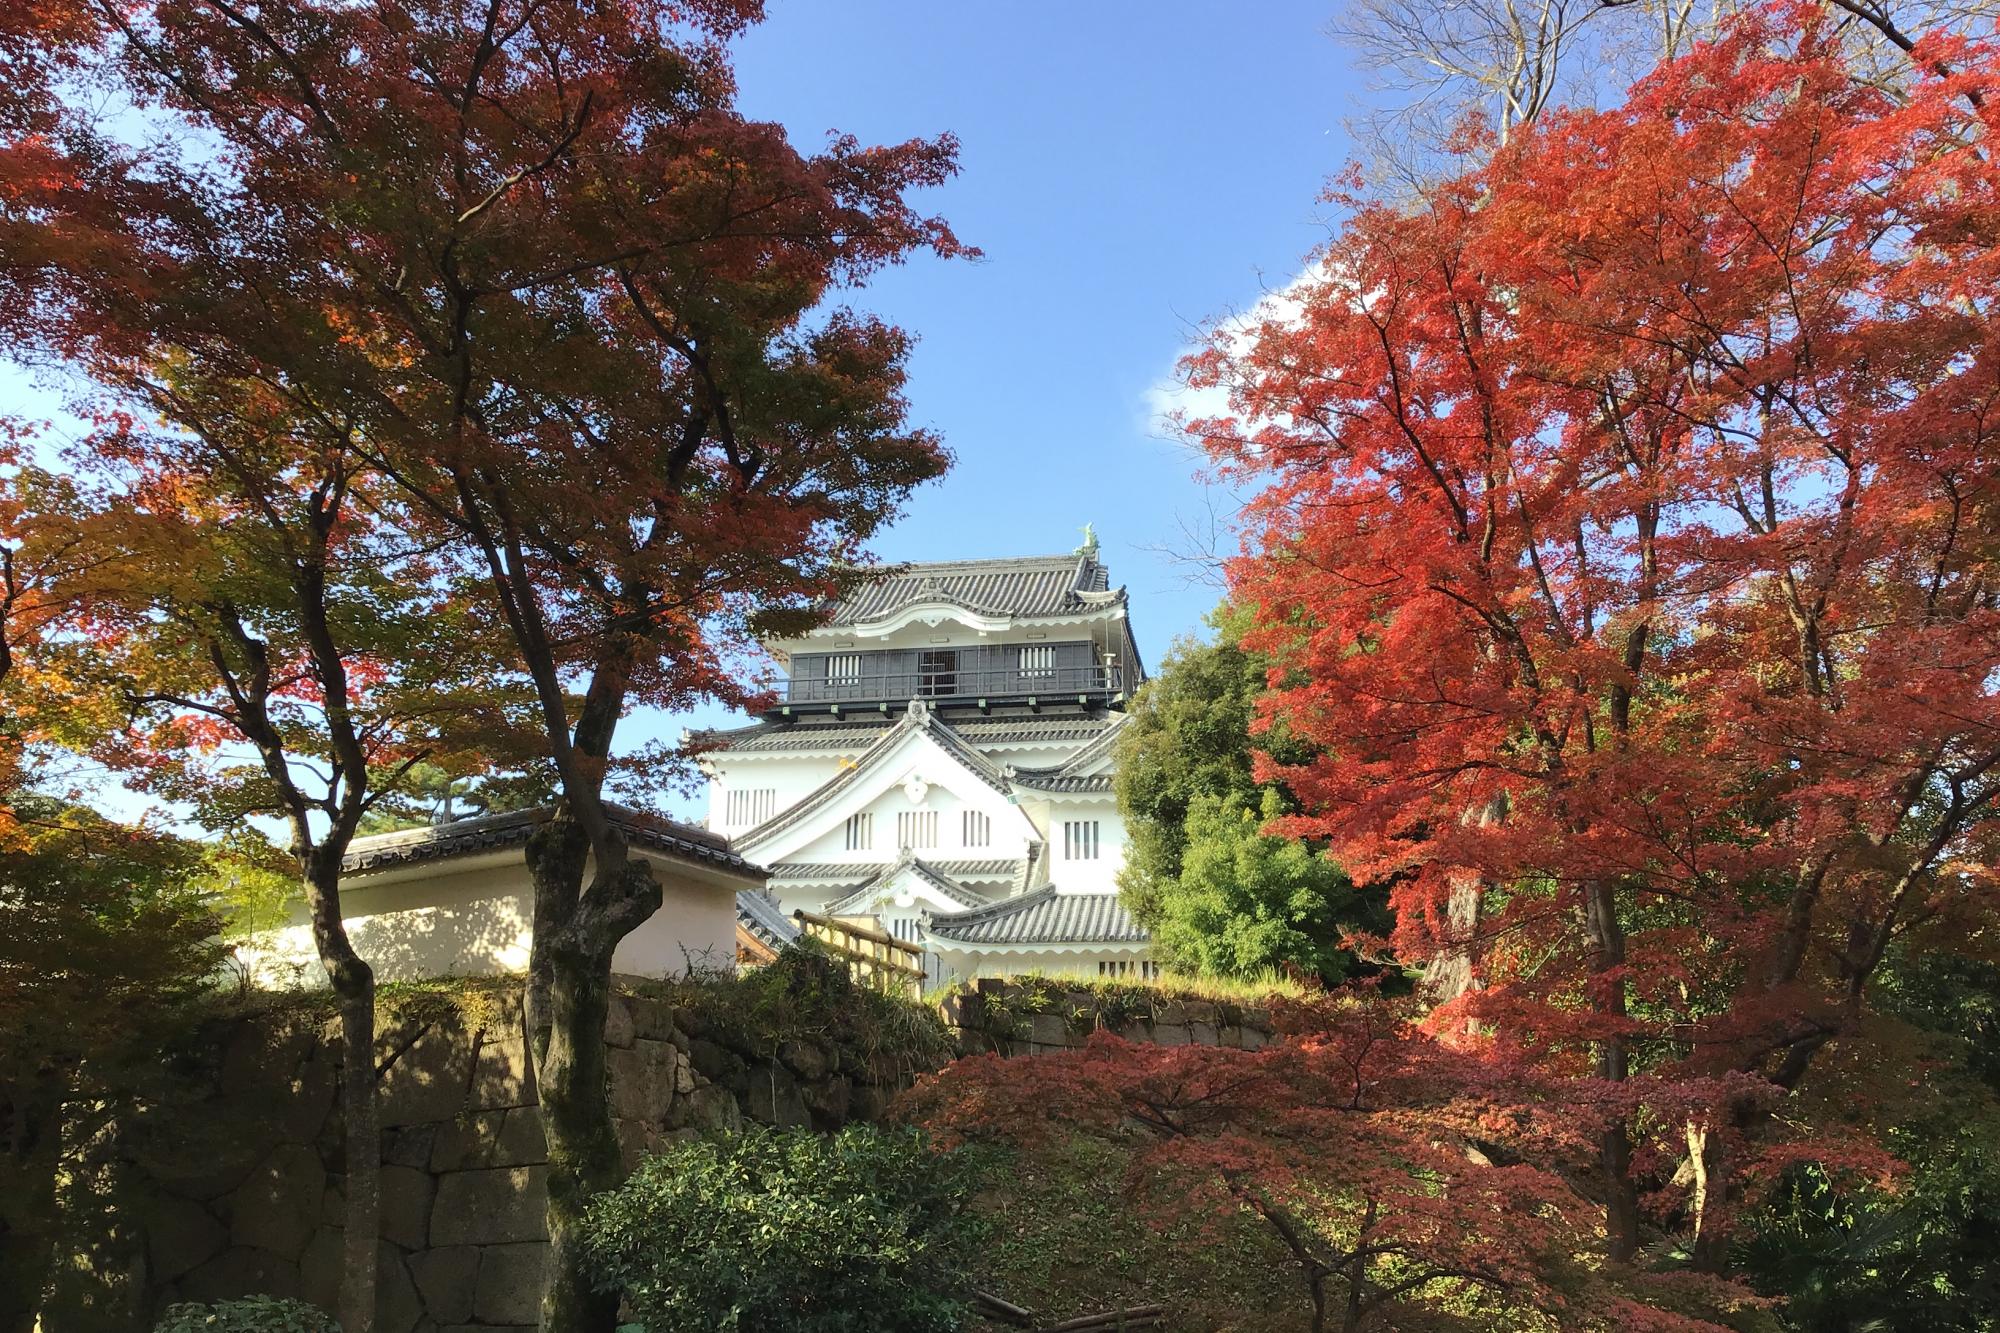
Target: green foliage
x,y
253,883
776,1230
1924,1258
1244,902
806,993
431,795
1189,736
1219,897
106,952
252,1314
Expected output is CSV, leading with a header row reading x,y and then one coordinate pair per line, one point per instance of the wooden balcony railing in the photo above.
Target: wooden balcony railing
x,y
873,957
870,684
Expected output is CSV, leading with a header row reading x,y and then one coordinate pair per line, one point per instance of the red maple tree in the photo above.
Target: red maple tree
x,y
1625,544
1405,1178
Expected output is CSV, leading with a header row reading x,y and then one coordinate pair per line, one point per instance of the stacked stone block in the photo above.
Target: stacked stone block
x,y
251,1201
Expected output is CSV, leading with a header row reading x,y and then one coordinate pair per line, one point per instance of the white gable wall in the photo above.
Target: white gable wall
x,y
950,788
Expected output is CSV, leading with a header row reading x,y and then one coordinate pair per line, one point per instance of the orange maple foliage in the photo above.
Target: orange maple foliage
x,y
1625,543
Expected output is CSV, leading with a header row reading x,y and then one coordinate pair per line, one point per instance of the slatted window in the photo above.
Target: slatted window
x,y
750,806
1038,659
843,669
917,829
860,832
1080,840
977,828
1145,968
906,928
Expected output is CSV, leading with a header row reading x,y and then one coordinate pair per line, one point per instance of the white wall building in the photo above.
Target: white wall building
x,y
455,899
940,768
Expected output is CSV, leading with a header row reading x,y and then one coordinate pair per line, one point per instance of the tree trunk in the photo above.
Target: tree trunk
x,y
1621,1193
1451,971
362,1220
32,1155
353,982
583,1145
557,853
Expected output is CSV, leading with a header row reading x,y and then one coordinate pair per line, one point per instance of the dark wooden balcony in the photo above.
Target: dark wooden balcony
x,y
988,673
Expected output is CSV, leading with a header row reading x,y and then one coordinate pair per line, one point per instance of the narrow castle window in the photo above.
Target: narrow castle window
x,y
917,829
860,832
750,806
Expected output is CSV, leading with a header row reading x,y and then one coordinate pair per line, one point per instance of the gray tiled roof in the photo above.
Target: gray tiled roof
x,y
1028,586
930,874
464,837
761,737
854,872
1068,775
765,919
1046,780
768,737
1046,916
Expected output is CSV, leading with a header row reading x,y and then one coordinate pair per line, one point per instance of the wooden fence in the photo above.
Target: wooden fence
x,y
875,957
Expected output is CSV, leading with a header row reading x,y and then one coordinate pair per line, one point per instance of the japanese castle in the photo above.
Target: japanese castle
x,y
940,769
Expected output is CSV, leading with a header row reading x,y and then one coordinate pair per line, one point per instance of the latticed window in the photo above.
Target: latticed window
x,y
750,806
937,672
917,829
1080,840
977,828
860,832
906,928
843,669
1038,659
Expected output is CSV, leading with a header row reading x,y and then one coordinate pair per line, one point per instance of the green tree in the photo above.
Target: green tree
x,y
105,948
1219,895
1245,902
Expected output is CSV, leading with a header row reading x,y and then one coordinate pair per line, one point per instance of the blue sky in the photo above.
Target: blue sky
x,y
1129,170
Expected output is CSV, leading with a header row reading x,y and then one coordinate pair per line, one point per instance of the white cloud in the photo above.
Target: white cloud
x,y
1169,397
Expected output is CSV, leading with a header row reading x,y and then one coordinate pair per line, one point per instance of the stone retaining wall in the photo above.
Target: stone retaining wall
x,y
1030,1017
250,1200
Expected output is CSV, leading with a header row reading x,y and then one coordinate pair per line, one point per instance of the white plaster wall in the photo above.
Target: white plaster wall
x,y
966,965
695,927
1099,875
478,920
949,784
792,777
471,921
1008,839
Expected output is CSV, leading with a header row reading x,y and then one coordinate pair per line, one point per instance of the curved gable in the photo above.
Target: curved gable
x,y
918,745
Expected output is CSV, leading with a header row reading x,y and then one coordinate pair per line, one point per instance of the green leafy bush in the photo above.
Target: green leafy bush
x,y
252,1314
775,1231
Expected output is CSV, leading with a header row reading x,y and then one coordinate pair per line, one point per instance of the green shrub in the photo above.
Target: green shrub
x,y
806,993
252,1314
776,1231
